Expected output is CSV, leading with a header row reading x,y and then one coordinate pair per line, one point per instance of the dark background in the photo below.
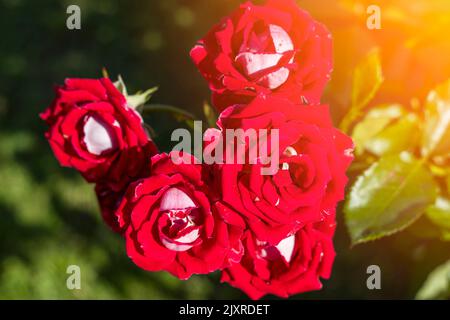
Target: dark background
x,y
49,217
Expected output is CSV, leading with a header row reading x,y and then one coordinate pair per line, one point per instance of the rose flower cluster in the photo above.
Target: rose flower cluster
x,y
266,66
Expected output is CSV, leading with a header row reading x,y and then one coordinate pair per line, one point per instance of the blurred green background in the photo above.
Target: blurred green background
x,y
49,217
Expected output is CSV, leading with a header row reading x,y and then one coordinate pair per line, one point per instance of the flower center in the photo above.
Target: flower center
x,y
283,250
182,220
98,137
299,168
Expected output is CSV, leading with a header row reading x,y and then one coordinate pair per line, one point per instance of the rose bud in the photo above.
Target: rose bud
x,y
274,48
94,130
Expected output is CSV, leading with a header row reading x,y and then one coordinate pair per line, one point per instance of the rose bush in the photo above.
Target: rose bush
x,y
276,48
268,233
92,129
172,222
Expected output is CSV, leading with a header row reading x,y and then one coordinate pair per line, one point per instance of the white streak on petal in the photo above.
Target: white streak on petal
x,y
263,253
275,79
174,198
281,40
96,136
255,62
286,247
190,237
175,247
290,151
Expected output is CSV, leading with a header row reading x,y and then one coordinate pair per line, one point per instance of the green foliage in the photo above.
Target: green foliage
x,y
210,115
396,190
439,214
386,129
437,285
407,182
400,136
140,98
367,79
436,134
50,219
388,197
135,101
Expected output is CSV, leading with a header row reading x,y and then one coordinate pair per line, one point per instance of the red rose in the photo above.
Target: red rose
x,y
313,157
275,48
292,266
94,131
173,224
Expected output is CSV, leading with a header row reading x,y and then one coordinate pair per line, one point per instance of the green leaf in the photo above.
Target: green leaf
x,y
436,134
402,135
437,170
388,197
135,101
140,98
439,214
373,123
120,85
210,115
437,284
367,79
105,73
435,223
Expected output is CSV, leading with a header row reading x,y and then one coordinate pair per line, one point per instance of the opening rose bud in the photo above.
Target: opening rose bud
x,y
258,64
181,222
92,129
275,48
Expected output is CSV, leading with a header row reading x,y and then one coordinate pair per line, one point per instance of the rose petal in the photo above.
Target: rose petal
x,y
174,198
286,247
275,79
97,136
281,40
252,63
